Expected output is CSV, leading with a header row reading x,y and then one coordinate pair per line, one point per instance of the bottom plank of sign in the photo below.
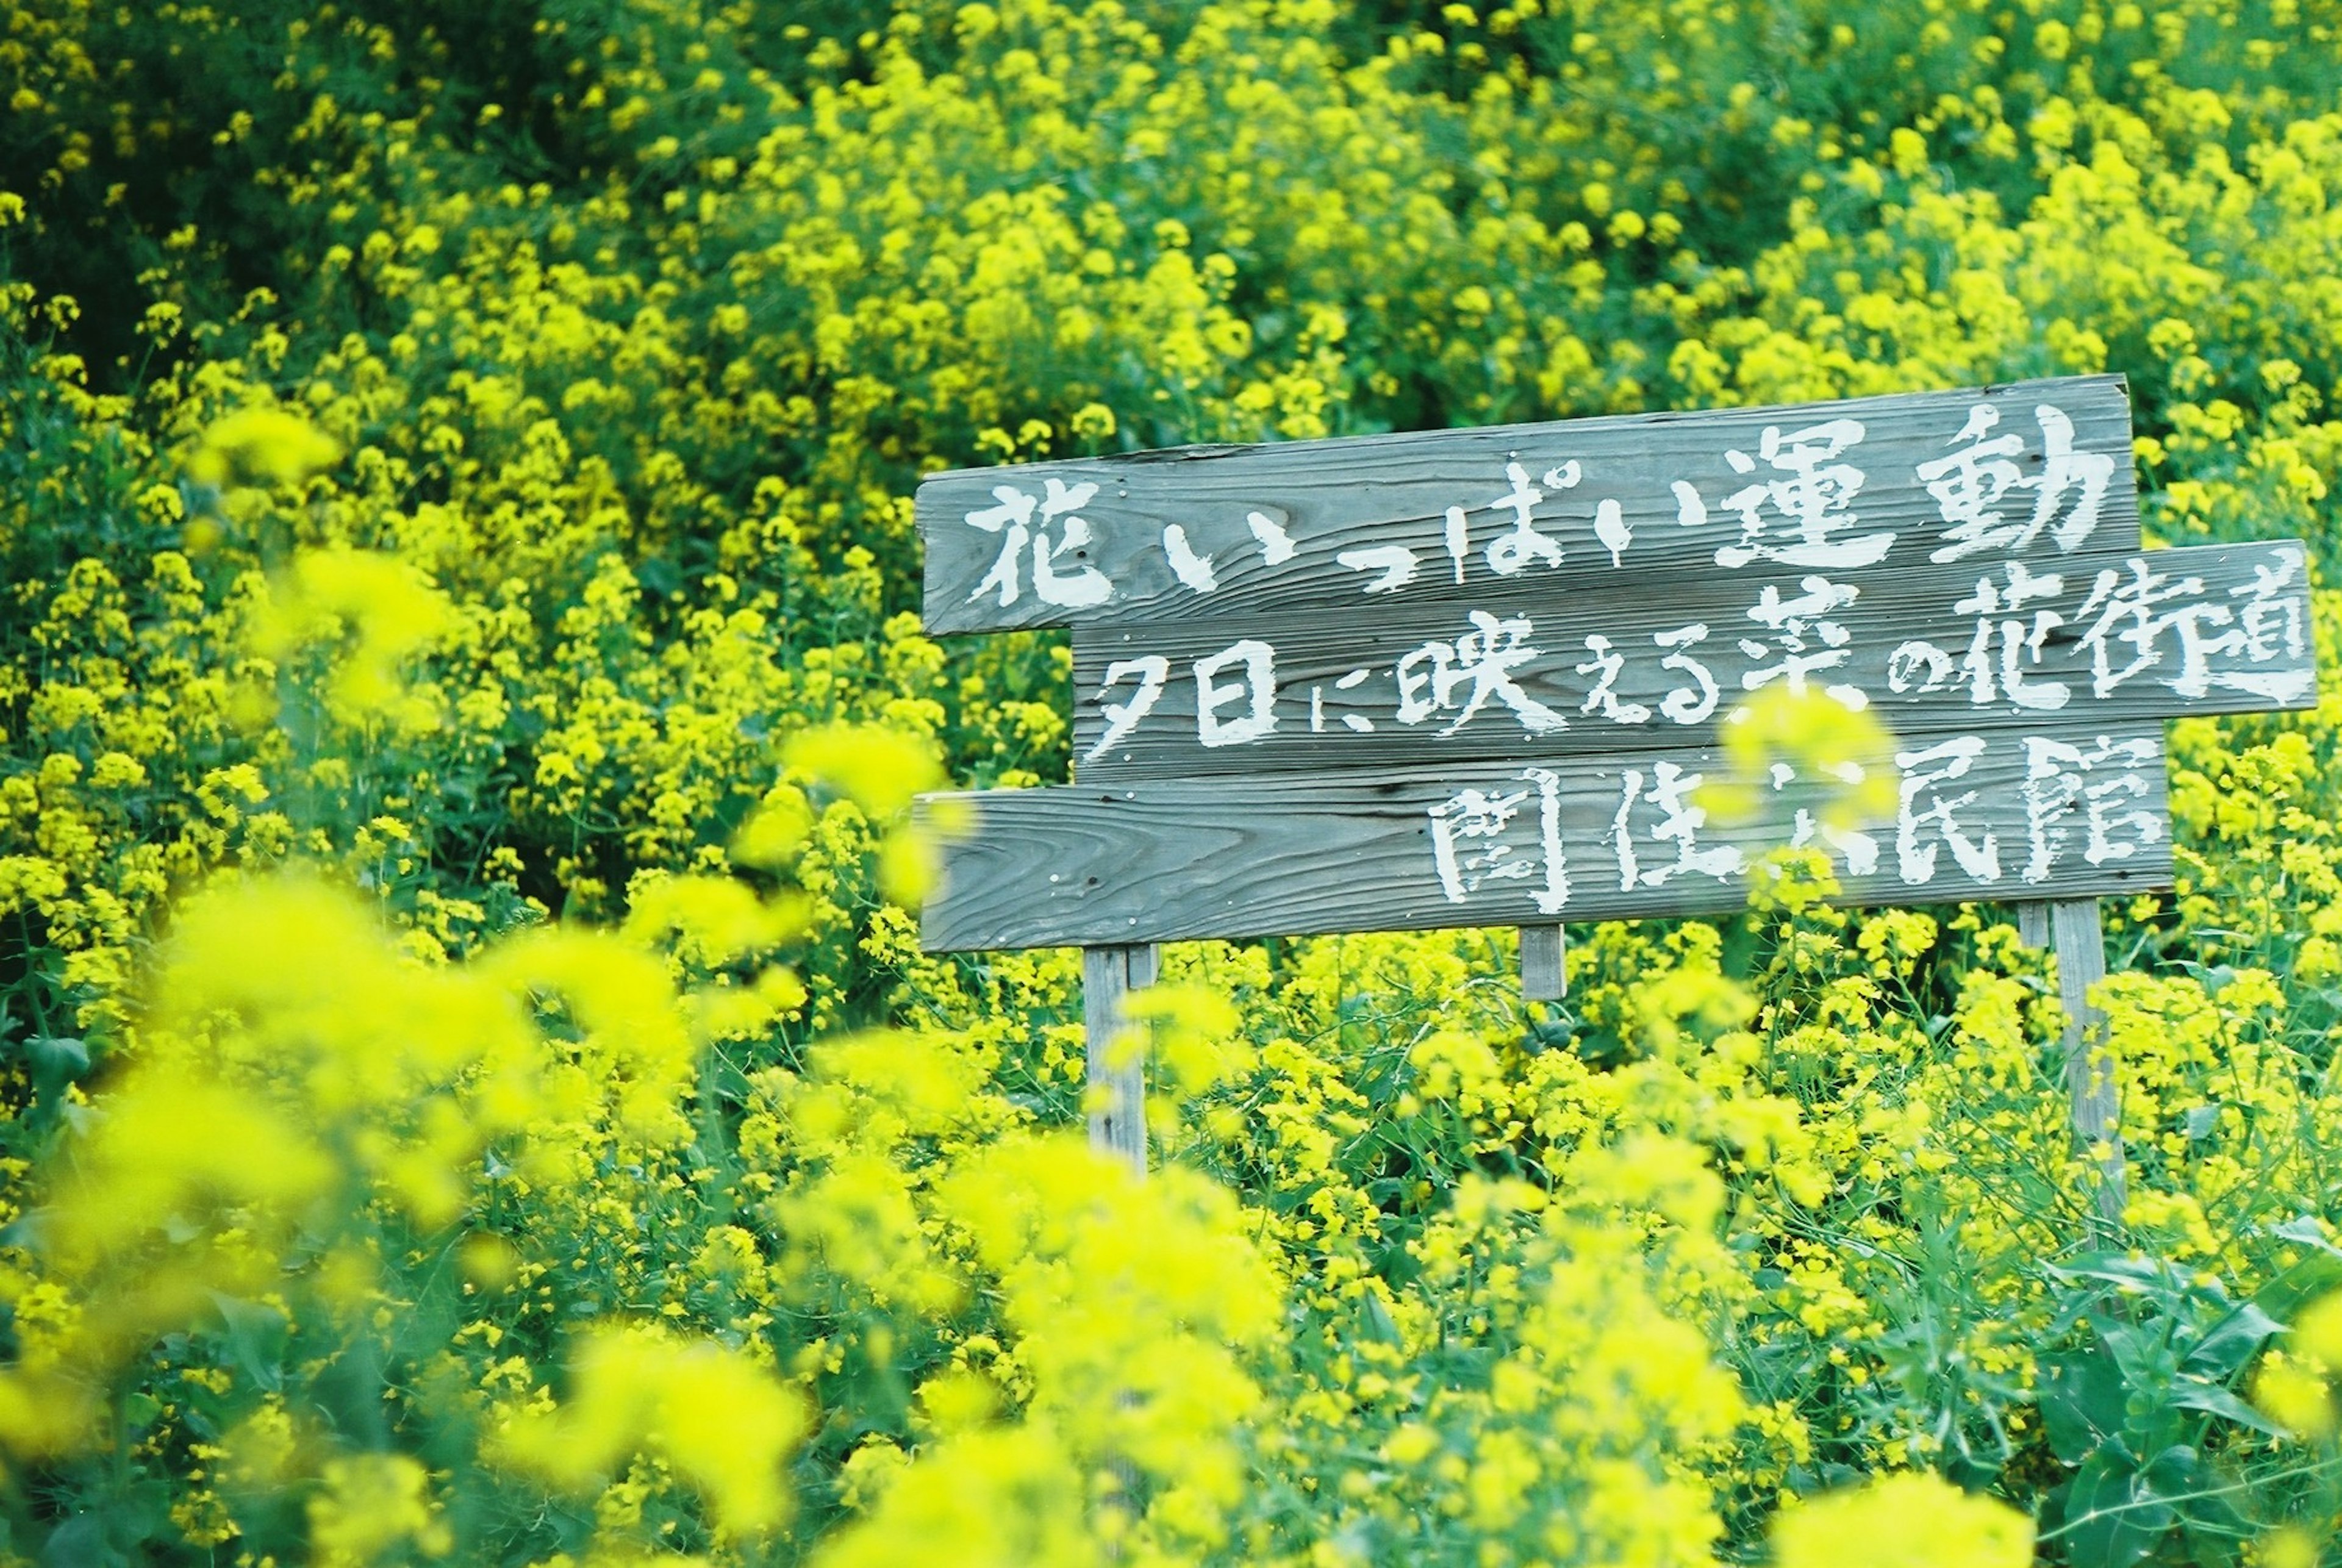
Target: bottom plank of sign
x,y
2052,813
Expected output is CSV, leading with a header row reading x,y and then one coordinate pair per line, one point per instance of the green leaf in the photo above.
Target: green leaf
x,y
2214,1400
2114,1515
2231,1342
2306,1230
2139,1349
2175,1471
2134,1276
2314,1276
81,1543
57,1056
254,1337
2082,1400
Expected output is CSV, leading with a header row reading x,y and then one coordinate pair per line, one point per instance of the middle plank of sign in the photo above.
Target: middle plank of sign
x,y
1588,593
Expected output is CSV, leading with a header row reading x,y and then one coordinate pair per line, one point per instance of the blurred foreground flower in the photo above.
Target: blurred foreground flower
x,y
1832,765
1906,1521
261,446
370,613
2295,1384
723,1422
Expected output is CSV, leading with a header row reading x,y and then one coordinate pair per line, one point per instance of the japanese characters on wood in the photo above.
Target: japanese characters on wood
x,y
1475,677
2036,469
1560,670
2017,815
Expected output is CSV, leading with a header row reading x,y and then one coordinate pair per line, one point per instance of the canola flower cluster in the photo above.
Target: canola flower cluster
x,y
469,1088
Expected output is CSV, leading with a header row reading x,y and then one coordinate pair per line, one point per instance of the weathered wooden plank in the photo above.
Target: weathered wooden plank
x,y
2097,638
2053,811
1117,1055
1938,476
1545,977
2089,1080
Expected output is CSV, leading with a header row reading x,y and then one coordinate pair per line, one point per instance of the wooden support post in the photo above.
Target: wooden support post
x,y
1118,1066
2071,926
1544,977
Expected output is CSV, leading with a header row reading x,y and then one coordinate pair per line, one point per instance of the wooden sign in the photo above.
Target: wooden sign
x,y
1556,670
1475,677
2033,470
2017,813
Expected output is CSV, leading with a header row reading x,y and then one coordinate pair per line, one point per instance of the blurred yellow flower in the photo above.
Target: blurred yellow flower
x,y
1906,1521
261,445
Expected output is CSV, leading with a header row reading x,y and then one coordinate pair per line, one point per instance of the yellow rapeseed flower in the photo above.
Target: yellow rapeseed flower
x,y
1902,1520
261,446
724,1423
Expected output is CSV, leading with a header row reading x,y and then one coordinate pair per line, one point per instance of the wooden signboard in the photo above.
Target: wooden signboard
x,y
1475,677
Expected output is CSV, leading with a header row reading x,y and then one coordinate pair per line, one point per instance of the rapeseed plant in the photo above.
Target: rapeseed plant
x,y
464,1041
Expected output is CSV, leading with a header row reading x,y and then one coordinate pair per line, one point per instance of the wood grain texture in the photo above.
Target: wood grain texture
x,y
2108,636
1118,1049
2004,815
2080,946
1264,530
1544,975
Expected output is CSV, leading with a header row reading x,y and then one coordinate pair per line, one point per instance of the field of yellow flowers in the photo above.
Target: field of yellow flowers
x,y
470,1091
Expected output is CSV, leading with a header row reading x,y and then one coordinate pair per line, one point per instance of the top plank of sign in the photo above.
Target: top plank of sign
x,y
2028,469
